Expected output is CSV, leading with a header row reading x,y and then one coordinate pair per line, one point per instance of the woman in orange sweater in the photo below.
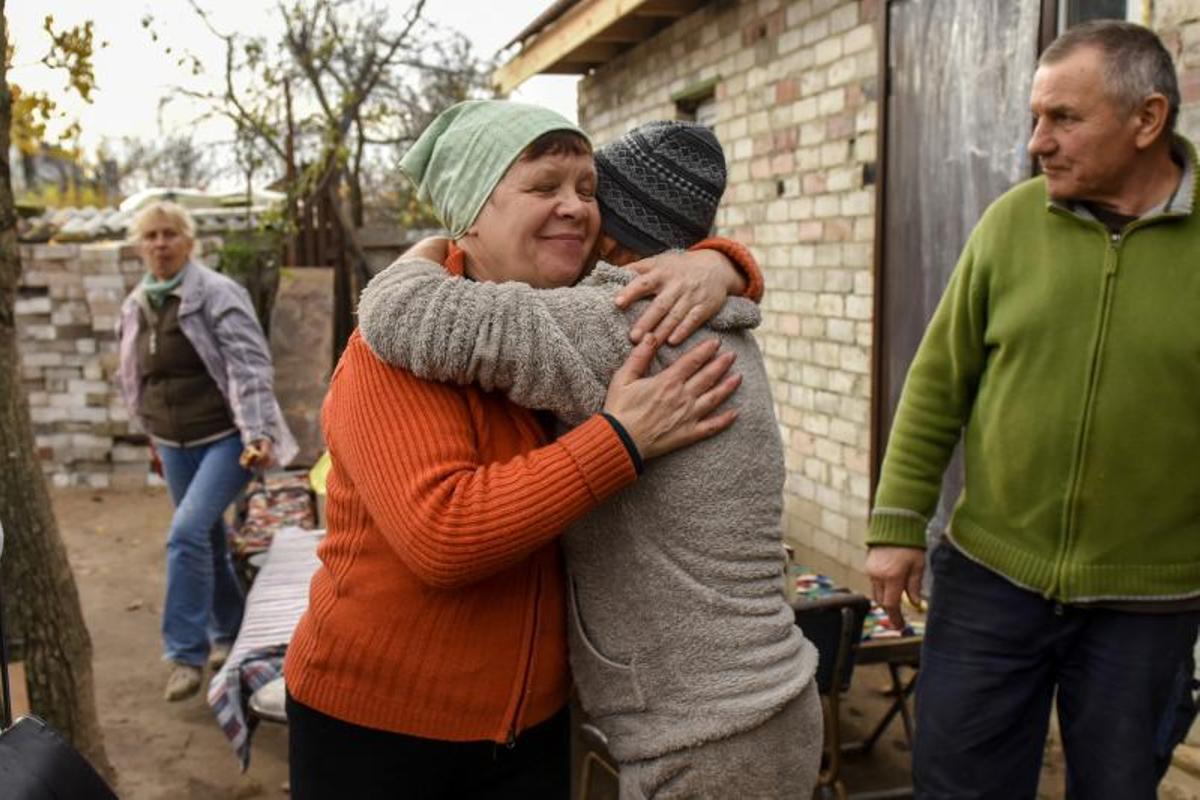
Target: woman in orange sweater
x,y
431,662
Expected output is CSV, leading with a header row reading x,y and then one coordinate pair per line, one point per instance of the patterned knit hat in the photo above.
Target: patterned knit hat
x,y
659,185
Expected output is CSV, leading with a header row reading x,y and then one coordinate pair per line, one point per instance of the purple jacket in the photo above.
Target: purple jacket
x,y
216,316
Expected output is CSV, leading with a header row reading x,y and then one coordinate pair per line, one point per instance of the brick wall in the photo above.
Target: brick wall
x,y
795,107
67,306
1178,23
796,113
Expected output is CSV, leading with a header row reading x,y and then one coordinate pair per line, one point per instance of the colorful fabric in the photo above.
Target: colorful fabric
x,y
458,160
276,601
273,501
319,473
1065,358
876,625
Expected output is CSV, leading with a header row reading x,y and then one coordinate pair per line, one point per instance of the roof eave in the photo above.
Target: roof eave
x,y
576,37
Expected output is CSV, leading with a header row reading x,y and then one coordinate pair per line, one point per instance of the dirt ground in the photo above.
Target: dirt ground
x,y
175,750
160,750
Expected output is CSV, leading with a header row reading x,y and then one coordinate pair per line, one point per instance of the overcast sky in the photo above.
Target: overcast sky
x,y
133,72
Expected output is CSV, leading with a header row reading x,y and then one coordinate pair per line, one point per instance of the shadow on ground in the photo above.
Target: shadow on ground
x,y
160,750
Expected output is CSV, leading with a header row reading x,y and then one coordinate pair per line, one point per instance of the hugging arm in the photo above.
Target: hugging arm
x,y
553,349
686,288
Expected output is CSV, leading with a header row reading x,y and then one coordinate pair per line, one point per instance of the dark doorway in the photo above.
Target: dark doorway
x,y
955,123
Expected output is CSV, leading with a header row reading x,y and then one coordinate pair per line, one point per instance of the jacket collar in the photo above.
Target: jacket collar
x,y
1180,204
190,290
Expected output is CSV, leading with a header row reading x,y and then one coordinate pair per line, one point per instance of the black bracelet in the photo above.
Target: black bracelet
x,y
638,465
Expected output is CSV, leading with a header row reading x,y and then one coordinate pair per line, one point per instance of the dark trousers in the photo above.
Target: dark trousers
x,y
329,758
995,655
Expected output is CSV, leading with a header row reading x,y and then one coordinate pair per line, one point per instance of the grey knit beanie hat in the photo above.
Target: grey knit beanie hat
x,y
659,185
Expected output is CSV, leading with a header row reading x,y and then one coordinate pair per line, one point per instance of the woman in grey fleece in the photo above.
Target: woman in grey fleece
x,y
683,648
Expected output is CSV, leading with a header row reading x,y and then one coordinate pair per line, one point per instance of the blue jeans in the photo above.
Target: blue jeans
x,y
994,657
204,599
1181,713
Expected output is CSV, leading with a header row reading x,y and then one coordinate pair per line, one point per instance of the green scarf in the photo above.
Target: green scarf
x,y
157,290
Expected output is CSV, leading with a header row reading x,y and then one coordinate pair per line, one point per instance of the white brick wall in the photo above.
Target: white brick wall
x,y
1178,23
66,309
796,113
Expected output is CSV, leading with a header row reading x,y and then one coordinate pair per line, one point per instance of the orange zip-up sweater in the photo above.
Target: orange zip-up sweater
x,y
439,607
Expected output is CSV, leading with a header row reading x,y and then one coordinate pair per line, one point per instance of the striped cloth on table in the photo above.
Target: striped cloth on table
x,y
276,601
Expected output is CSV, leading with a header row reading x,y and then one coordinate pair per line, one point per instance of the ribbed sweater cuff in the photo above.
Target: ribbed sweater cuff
x,y
742,260
897,527
601,457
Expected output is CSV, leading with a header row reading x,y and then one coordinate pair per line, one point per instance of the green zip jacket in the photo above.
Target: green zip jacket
x,y
1068,359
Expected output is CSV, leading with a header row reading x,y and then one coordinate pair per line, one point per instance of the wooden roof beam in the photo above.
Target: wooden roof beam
x,y
667,9
594,52
571,68
581,23
631,30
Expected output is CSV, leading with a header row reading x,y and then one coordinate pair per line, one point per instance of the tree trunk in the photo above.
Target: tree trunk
x,y
41,603
29,169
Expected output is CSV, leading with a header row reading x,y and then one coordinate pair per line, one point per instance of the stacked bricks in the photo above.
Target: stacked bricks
x,y
796,112
67,307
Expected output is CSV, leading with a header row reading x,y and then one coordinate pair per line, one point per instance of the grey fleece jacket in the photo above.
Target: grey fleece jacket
x,y
679,632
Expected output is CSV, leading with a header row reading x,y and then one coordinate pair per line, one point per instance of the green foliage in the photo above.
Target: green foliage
x,y
76,196
70,50
252,258
412,213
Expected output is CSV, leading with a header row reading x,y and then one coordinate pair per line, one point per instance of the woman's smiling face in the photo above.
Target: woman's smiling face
x,y
539,225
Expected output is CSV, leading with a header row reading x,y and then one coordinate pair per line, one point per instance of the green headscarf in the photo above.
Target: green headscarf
x,y
463,154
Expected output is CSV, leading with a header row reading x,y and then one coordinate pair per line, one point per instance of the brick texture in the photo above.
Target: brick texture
x,y
796,113
1178,23
66,309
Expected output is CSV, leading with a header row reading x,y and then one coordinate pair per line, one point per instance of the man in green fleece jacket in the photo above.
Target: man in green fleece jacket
x,y
1066,355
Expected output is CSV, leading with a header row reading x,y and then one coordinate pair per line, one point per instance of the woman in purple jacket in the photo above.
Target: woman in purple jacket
x,y
195,373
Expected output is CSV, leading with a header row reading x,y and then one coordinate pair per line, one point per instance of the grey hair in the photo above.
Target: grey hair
x,y
1136,64
176,213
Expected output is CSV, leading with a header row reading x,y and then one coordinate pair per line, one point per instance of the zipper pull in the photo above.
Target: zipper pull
x,y
511,741
153,342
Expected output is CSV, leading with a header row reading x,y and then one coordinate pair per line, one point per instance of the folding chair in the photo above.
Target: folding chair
x,y
598,771
833,624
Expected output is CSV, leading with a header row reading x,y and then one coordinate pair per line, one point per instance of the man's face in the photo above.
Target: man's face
x,y
1085,144
539,225
615,253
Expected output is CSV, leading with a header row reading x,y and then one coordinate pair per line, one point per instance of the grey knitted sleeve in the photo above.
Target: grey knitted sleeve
x,y
553,349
